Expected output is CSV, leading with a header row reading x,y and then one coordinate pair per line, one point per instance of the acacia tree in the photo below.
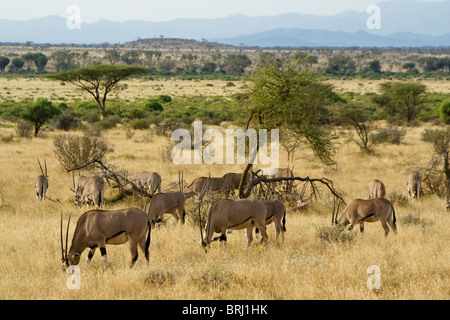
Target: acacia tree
x,y
98,80
403,99
283,94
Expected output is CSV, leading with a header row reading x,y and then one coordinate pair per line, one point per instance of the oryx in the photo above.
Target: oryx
x,y
170,202
276,212
150,179
284,173
377,189
371,210
80,183
414,182
41,183
213,184
227,214
234,179
93,191
96,228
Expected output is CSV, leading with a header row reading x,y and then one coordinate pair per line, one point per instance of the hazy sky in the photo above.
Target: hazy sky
x,y
163,10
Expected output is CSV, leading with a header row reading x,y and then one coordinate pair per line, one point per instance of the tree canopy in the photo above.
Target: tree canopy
x,y
402,99
285,94
98,80
39,113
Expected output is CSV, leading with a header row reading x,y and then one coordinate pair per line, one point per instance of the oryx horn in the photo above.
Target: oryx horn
x,y
64,249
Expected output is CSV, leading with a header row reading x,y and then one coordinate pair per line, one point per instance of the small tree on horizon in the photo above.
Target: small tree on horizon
x,y
98,80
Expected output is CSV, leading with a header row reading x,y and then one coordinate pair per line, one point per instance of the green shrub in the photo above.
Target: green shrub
x,y
165,98
444,112
153,105
140,124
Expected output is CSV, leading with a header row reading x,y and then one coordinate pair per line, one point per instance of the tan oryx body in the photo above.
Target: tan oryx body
x,y
371,210
284,173
235,214
170,202
377,189
276,212
201,184
93,191
151,180
234,179
41,183
414,182
97,228
80,183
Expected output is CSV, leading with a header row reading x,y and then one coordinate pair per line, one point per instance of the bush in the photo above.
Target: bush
x,y
165,98
414,219
24,129
64,121
334,234
140,124
153,105
75,151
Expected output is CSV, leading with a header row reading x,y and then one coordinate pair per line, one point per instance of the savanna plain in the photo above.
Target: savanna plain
x,y
414,264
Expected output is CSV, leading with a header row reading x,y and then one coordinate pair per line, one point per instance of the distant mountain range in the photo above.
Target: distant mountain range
x,y
403,23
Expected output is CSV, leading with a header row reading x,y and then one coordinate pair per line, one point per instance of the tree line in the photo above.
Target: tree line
x,y
372,63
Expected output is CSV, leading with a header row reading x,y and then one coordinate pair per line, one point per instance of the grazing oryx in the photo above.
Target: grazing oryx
x,y
213,184
41,183
371,210
79,184
235,214
284,173
276,212
150,179
301,206
170,202
377,189
96,228
93,191
234,179
414,183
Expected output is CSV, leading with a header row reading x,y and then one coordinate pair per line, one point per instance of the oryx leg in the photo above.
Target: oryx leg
x,y
223,240
142,245
175,216
104,255
262,229
278,231
90,255
385,227
361,227
133,251
181,214
249,235
392,224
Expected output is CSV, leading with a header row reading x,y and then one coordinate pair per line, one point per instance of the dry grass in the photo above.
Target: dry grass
x,y
414,264
20,88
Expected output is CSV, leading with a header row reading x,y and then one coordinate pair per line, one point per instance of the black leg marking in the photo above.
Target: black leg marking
x,y
103,251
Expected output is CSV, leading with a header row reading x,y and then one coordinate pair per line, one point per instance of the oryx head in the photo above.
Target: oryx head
x,y
64,259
